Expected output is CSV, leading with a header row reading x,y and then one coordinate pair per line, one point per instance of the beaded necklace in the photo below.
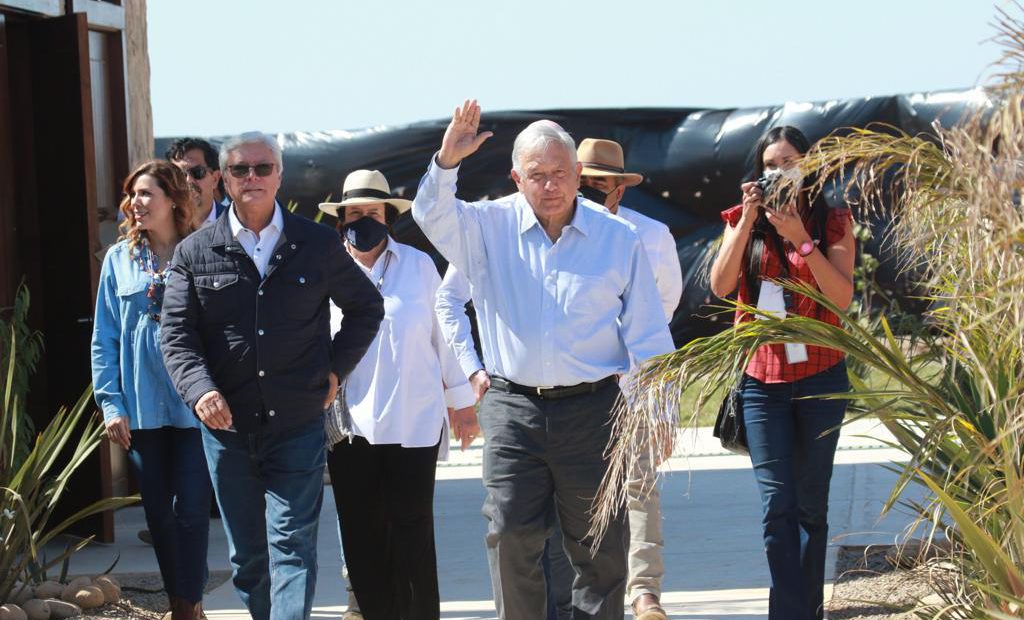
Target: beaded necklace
x,y
149,262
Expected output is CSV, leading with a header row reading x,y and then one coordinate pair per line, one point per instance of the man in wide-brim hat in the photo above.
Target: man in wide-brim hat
x,y
604,180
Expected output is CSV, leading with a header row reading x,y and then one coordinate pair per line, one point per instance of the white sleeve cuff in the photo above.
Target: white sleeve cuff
x,y
442,174
459,396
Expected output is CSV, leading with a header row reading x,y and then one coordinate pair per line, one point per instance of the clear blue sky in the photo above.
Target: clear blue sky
x,y
225,66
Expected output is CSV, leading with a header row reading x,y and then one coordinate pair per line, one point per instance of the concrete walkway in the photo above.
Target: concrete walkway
x,y
715,567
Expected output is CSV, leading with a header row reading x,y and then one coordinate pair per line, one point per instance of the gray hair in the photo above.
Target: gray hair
x,y
250,137
540,134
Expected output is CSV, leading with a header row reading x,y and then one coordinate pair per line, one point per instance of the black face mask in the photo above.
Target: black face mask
x,y
593,194
365,233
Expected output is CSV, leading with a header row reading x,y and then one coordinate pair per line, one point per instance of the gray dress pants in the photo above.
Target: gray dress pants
x,y
538,449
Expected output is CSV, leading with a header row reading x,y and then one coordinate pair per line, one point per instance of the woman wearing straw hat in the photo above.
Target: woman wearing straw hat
x,y
389,422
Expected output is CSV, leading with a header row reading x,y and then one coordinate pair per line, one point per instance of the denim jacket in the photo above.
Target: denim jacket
x,y
128,371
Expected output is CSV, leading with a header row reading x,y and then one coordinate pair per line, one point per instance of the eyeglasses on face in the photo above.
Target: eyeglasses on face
x,y
198,172
240,171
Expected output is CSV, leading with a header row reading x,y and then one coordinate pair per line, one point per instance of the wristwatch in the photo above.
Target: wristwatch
x,y
805,248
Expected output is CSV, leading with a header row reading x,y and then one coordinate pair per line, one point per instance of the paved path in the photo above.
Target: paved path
x,y
715,567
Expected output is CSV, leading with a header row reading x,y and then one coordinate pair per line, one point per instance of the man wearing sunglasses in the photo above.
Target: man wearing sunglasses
x,y
198,160
245,334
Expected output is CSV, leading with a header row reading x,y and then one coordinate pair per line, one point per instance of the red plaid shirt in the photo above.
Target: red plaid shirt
x,y
769,363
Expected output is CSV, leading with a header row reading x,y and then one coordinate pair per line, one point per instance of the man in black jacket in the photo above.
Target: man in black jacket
x,y
246,339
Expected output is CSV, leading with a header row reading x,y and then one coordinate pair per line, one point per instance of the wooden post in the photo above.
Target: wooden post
x,y
140,112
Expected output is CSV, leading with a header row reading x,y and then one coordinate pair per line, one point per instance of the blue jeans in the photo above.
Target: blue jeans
x,y
269,487
175,488
793,466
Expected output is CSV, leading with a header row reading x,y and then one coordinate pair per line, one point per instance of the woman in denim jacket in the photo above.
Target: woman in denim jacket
x,y
141,410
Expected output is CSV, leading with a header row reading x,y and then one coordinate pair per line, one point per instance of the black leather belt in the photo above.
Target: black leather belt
x,y
558,391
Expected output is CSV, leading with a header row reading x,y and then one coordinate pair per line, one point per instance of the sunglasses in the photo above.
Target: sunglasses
x,y
198,172
240,171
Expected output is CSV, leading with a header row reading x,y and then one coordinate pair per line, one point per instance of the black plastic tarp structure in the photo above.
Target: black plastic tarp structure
x,y
693,161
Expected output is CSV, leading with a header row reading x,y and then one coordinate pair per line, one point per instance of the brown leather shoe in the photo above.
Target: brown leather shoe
x,y
647,607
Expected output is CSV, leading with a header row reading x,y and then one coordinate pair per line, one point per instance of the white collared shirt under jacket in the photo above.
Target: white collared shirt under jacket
x,y
396,394
260,246
550,314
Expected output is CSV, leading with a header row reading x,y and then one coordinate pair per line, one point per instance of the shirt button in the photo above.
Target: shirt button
x,y
256,415
260,293
261,373
271,413
293,246
277,256
216,284
260,332
302,280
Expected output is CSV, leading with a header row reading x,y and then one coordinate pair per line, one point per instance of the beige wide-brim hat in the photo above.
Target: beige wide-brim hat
x,y
603,158
365,187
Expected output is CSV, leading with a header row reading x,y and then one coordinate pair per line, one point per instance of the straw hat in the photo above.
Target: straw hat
x,y
364,187
603,158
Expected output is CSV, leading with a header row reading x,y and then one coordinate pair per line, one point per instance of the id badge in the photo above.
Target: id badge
x,y
772,300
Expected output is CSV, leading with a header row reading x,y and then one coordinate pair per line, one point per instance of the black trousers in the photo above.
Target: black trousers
x,y
385,500
540,451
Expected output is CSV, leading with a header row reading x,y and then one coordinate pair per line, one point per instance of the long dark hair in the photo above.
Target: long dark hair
x,y
763,232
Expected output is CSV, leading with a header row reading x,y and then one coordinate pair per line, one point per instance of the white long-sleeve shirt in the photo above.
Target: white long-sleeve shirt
x,y
456,291
395,394
661,253
452,297
550,313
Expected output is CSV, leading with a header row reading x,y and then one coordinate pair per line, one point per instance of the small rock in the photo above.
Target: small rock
x,y
37,609
49,589
11,611
109,578
111,591
25,593
63,609
88,597
79,582
933,599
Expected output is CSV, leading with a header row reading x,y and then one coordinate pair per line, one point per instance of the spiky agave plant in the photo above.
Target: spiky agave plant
x,y
31,486
953,400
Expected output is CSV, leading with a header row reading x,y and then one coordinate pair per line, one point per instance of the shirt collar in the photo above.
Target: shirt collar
x,y
276,220
392,247
580,219
212,216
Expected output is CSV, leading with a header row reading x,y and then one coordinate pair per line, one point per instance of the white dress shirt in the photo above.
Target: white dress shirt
x,y
453,295
661,253
550,313
396,394
211,217
260,246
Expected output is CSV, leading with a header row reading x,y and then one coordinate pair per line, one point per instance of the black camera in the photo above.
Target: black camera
x,y
768,183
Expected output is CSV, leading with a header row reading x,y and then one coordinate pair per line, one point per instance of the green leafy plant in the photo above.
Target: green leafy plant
x,y
31,487
28,354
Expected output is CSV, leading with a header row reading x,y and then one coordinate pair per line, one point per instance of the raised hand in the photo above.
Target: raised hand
x,y
461,138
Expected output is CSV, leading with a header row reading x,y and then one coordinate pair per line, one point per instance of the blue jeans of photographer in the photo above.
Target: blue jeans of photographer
x,y
792,445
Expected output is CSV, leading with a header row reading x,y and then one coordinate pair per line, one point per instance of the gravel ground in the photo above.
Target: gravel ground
x,y
869,588
143,596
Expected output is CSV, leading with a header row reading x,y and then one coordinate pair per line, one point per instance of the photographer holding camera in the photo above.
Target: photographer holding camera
x,y
778,232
